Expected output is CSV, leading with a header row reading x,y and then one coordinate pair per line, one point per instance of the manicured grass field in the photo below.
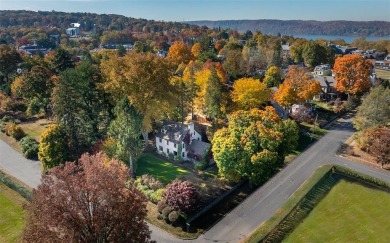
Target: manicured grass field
x,y
350,212
163,170
11,214
385,74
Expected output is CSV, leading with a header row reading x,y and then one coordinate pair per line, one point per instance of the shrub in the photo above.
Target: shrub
x,y
151,182
18,133
15,105
182,196
157,196
11,129
7,118
330,103
173,217
29,147
200,165
170,156
161,205
166,211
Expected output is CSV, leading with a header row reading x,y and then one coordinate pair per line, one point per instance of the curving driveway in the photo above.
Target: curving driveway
x,y
258,207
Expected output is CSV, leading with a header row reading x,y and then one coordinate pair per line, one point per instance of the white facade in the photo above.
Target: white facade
x,y
166,147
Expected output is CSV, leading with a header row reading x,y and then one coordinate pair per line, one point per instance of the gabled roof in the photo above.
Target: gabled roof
x,y
325,81
173,131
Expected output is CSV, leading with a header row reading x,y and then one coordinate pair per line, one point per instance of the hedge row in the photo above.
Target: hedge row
x,y
16,186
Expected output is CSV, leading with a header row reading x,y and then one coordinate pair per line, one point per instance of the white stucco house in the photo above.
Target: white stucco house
x,y
181,141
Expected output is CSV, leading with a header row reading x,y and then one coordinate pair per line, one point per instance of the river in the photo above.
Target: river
x,y
348,39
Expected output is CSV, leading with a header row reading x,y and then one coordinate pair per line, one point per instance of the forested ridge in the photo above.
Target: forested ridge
x,y
303,27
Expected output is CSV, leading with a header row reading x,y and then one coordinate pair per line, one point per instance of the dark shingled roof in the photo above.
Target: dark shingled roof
x,y
173,131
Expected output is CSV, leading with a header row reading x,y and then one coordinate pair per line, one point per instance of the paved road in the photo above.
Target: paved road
x,y
265,201
258,207
12,162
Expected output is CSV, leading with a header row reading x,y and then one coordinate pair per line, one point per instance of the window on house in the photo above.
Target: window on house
x,y
175,153
167,142
167,151
198,139
160,140
174,145
160,148
194,132
182,154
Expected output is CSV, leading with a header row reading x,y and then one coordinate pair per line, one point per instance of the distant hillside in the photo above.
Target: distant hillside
x,y
303,27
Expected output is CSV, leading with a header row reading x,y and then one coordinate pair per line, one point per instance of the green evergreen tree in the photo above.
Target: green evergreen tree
x,y
62,60
126,130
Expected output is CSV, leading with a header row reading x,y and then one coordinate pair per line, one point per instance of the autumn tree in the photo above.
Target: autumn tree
x,y
374,110
233,63
196,49
145,80
249,93
88,201
379,146
296,88
213,99
253,145
53,147
126,130
352,74
36,87
179,53
9,59
273,76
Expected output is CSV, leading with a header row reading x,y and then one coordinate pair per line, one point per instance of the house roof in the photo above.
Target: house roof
x,y
173,131
199,147
326,81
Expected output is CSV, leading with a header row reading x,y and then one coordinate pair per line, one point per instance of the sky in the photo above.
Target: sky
x,y
187,10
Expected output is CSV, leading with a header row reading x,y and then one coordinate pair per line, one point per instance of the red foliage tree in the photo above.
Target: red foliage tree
x,y
182,196
379,145
88,201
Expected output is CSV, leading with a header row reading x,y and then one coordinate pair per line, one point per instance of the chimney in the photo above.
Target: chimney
x,y
191,126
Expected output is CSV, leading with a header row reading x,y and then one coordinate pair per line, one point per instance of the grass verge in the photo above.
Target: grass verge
x,y
350,212
11,214
163,170
264,229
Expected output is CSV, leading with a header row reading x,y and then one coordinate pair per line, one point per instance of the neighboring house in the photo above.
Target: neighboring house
x,y
128,46
328,91
162,53
181,141
73,31
286,51
342,49
323,70
34,49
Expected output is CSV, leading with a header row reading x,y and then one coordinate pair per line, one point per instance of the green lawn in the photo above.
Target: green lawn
x,y
11,214
163,170
350,212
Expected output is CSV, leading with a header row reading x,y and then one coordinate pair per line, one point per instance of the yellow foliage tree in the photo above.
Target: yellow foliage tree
x,y
249,93
196,49
145,80
296,88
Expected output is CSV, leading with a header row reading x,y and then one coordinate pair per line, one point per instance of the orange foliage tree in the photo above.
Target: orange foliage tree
x,y
179,53
296,88
352,74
